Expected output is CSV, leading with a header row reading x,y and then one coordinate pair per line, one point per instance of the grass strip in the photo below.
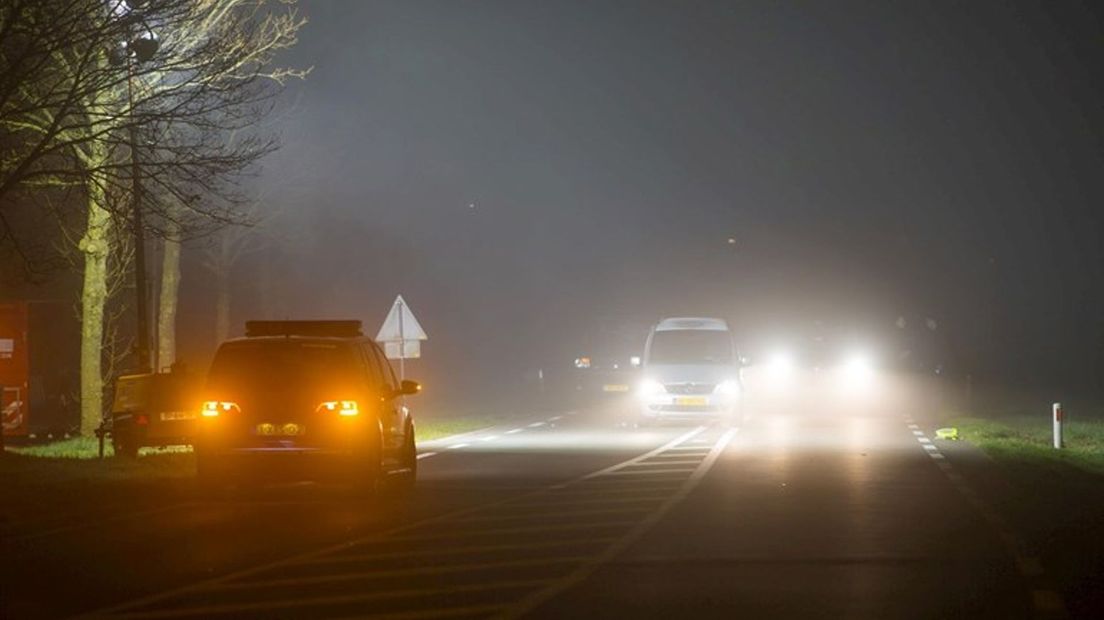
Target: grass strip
x,y
1028,440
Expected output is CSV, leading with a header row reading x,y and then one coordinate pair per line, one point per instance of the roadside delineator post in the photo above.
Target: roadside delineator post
x,y
1058,419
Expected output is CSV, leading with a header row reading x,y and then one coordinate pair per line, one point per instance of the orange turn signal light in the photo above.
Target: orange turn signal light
x,y
341,407
212,408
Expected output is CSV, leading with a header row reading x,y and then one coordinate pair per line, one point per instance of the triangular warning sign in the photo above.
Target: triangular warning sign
x,y
400,324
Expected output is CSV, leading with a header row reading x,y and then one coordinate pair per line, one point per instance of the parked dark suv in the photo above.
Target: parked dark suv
x,y
302,400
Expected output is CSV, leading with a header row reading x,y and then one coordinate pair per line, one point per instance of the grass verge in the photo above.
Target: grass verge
x,y
1022,438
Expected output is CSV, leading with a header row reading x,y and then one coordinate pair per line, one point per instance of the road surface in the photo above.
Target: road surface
x,y
570,515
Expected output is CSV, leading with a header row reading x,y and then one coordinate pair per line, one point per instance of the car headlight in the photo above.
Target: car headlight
x,y
857,370
728,387
780,364
649,387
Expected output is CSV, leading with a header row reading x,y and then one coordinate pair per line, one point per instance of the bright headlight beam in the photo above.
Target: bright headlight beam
x,y
780,363
649,387
857,370
858,364
728,388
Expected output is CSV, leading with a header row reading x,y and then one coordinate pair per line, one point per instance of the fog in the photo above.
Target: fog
x,y
528,175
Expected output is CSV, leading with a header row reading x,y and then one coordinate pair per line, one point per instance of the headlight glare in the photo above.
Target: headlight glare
x,y
649,387
729,387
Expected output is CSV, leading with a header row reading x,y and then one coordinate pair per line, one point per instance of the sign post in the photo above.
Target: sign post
x,y
401,335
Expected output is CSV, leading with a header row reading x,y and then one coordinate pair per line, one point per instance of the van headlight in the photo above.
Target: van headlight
x,y
728,387
649,387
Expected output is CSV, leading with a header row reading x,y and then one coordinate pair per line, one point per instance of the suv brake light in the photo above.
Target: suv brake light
x,y
342,407
212,408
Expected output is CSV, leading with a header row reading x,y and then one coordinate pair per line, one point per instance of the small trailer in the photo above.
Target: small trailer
x,y
153,409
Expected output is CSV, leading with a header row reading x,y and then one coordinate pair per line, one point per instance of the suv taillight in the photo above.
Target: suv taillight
x,y
212,408
341,407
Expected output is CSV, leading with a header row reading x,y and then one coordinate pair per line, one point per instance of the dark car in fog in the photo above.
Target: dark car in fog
x,y
297,400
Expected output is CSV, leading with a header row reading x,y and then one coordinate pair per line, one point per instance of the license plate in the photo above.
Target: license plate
x,y
692,401
168,416
615,387
280,430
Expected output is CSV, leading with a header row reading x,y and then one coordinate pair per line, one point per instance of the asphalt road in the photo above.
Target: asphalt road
x,y
570,515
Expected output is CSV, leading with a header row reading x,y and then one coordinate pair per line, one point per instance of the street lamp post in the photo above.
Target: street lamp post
x,y
137,48
141,298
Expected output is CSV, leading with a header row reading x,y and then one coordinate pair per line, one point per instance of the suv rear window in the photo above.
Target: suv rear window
x,y
244,364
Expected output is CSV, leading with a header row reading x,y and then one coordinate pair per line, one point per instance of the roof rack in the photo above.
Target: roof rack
x,y
331,329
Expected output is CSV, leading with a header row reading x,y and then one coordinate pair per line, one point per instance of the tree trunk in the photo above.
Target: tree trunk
x,y
166,306
94,246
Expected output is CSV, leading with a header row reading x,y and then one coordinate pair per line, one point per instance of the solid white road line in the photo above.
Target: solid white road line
x,y
650,472
426,455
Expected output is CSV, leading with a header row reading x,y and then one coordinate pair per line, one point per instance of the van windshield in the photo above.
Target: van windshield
x,y
691,346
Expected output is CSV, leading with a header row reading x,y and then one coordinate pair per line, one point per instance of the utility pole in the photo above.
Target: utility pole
x,y
141,305
141,300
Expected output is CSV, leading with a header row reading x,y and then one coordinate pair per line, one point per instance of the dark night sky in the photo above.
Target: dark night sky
x,y
870,160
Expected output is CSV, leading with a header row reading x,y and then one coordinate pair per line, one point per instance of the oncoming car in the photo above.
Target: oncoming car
x,y
818,375
691,370
305,400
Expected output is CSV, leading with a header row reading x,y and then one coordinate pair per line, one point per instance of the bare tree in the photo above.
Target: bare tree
x,y
86,81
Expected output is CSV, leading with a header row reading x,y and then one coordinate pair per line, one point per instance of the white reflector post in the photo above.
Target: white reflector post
x,y
1058,419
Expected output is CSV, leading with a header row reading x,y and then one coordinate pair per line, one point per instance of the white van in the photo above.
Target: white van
x,y
691,370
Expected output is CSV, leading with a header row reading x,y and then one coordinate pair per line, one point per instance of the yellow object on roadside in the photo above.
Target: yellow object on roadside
x,y
950,434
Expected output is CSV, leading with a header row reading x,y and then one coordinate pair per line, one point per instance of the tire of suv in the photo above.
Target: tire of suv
x,y
408,461
367,467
